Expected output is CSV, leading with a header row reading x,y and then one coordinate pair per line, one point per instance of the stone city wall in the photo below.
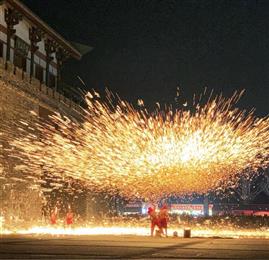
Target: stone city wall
x,y
21,198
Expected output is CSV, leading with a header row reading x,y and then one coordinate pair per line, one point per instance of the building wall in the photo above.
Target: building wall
x,y
22,31
2,17
17,98
16,188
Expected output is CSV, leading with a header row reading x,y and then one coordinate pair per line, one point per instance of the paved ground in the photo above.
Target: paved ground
x,y
126,247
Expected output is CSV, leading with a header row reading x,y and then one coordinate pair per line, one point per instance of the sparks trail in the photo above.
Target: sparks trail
x,y
135,153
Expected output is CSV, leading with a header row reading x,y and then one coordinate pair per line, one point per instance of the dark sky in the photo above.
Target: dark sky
x,y
145,49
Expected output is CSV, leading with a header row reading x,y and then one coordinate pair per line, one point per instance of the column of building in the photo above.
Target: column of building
x,y
61,56
12,18
35,36
50,48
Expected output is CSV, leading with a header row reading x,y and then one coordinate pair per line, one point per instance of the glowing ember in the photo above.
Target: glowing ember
x,y
140,231
135,153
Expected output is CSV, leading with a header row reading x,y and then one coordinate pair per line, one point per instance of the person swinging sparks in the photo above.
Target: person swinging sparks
x,y
163,218
154,221
69,217
53,216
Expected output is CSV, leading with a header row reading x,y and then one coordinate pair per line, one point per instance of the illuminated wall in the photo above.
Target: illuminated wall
x,y
190,209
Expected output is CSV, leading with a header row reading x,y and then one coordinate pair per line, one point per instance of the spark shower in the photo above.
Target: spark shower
x,y
132,152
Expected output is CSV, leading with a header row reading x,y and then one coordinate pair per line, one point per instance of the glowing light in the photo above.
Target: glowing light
x,y
136,153
140,231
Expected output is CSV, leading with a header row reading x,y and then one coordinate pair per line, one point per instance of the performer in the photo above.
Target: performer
x,y
163,218
154,220
53,216
69,217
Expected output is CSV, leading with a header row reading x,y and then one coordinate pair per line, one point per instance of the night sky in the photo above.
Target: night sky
x,y
145,49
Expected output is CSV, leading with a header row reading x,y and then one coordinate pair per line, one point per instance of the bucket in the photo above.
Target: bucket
x,y
187,233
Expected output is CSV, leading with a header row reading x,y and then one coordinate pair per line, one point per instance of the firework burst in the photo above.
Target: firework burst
x,y
132,152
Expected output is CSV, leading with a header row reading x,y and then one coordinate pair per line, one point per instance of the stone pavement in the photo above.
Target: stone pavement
x,y
130,247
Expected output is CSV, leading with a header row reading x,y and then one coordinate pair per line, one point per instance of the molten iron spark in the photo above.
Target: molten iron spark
x,y
141,231
131,152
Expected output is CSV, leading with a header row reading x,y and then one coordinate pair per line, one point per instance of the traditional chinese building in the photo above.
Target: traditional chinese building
x,y
31,58
32,45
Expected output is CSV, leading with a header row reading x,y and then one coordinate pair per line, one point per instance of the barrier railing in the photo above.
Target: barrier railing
x,y
35,87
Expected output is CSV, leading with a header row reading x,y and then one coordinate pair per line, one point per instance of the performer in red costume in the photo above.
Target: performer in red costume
x,y
154,221
53,216
163,218
69,217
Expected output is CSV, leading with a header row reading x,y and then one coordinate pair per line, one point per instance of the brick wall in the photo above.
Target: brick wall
x,y
21,199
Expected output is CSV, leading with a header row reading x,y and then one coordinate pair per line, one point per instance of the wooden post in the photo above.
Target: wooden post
x,y
35,36
61,56
12,18
50,47
206,206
